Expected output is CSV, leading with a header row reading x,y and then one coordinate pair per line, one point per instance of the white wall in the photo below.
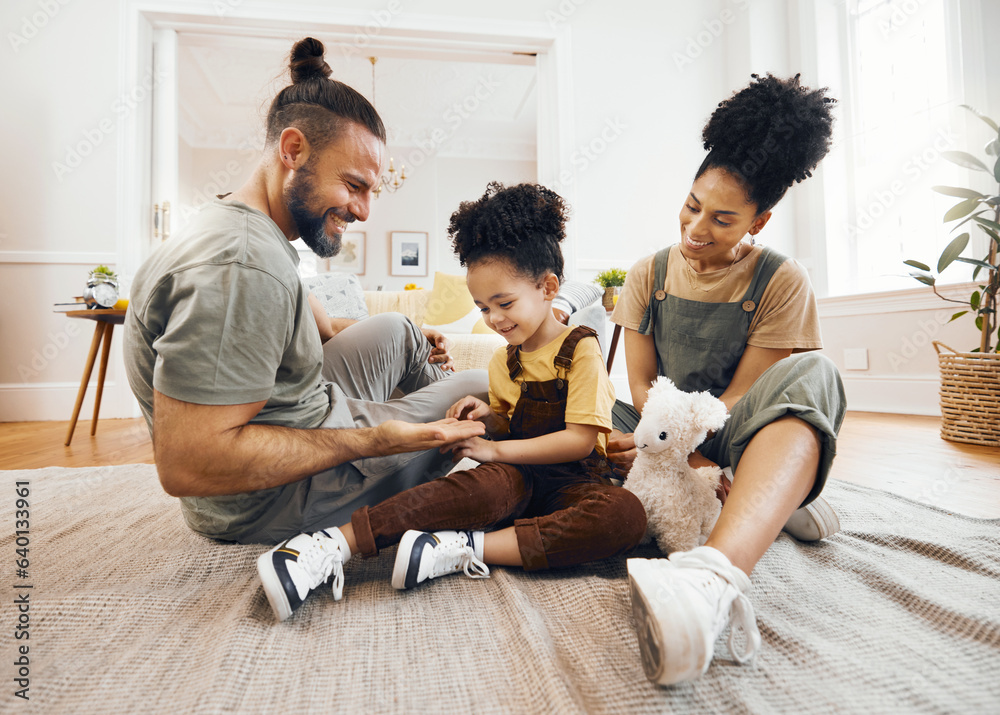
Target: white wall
x,y
424,203
59,80
645,73
61,85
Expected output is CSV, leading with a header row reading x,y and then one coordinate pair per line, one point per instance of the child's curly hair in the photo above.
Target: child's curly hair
x,y
523,224
771,134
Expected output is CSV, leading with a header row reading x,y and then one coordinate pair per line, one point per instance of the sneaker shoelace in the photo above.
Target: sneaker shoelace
x,y
741,613
321,559
460,554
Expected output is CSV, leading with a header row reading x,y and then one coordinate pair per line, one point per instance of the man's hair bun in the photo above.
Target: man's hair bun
x,y
771,134
315,104
306,61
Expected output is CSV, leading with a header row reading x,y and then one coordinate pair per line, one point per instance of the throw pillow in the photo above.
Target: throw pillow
x,y
340,293
574,296
450,307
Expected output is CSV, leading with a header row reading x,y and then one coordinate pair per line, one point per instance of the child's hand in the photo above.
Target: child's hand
x,y
477,448
469,408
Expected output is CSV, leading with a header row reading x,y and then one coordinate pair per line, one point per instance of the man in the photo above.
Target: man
x,y
266,420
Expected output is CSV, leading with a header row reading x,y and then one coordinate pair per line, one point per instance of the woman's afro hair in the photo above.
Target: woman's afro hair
x,y
771,134
523,224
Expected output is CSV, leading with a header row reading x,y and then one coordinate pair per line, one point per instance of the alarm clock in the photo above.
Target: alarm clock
x,y
101,294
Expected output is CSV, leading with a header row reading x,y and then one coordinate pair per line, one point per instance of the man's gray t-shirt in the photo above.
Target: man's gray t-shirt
x,y
218,316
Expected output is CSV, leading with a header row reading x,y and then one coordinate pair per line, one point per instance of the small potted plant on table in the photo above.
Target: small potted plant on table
x,y
611,280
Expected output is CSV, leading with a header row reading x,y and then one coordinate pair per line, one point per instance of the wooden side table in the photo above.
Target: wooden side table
x,y
106,319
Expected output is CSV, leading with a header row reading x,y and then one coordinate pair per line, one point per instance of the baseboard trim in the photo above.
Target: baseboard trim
x,y
44,401
895,394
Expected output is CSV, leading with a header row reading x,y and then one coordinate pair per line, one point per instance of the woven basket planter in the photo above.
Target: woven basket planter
x,y
970,396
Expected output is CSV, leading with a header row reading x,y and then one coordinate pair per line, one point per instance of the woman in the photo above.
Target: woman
x,y
717,312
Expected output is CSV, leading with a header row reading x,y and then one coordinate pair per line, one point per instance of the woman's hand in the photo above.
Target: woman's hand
x,y
696,459
621,452
477,448
440,354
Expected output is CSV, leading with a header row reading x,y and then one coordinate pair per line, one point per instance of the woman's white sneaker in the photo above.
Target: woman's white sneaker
x,y
681,607
423,555
296,566
815,521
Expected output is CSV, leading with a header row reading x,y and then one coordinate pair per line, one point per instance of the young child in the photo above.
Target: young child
x,y
549,414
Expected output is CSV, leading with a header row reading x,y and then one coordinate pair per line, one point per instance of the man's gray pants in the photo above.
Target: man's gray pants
x,y
378,371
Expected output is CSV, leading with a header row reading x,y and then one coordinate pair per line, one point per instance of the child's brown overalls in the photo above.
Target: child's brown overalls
x,y
564,514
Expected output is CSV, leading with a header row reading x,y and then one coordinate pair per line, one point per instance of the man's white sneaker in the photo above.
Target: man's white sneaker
x,y
682,605
296,566
816,520
423,555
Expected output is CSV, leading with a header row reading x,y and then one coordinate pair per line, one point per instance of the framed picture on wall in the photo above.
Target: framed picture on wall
x,y
351,258
408,253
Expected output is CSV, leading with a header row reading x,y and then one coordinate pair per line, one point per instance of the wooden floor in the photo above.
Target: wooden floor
x,y
897,453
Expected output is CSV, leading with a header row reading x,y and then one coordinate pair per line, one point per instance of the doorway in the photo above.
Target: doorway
x,y
404,45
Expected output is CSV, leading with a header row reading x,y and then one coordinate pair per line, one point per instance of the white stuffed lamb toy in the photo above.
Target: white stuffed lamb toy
x,y
681,506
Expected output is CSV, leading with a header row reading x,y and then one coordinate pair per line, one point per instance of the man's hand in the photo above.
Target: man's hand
x,y
440,354
396,436
210,450
481,450
621,452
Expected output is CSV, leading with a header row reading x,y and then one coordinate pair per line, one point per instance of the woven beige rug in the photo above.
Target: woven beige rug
x,y
130,612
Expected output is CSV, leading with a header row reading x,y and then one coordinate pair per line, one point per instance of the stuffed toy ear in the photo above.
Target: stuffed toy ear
x,y
661,386
708,412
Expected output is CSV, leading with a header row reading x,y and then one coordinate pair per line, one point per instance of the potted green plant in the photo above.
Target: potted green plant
x,y
970,382
611,279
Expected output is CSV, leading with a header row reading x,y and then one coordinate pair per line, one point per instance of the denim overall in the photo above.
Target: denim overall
x,y
541,408
563,514
699,346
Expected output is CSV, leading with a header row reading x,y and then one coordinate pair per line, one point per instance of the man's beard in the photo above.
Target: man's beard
x,y
311,228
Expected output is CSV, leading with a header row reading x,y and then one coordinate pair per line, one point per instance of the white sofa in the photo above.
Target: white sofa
x,y
447,307
469,350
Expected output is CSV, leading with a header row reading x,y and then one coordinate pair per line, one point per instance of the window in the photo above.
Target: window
x,y
903,72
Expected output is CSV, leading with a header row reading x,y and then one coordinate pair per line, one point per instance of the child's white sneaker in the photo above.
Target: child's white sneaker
x,y
813,522
296,566
423,555
682,605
